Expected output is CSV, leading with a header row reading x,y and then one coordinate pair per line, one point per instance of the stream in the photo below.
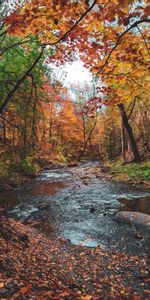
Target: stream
x,y
78,204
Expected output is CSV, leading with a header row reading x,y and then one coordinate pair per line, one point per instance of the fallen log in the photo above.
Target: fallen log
x,y
132,217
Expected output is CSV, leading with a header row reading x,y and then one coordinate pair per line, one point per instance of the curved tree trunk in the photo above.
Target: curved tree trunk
x,y
128,128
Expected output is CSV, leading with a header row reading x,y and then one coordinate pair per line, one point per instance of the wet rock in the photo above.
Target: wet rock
x,y
68,241
85,177
70,165
66,198
76,220
43,205
134,218
92,209
86,182
138,236
98,176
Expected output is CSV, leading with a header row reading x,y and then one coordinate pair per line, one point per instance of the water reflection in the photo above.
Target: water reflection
x,y
141,204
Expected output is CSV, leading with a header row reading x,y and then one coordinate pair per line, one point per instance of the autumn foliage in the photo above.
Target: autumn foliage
x,y
42,124
112,39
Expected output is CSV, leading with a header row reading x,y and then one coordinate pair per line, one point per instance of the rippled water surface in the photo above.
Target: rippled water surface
x,y
78,204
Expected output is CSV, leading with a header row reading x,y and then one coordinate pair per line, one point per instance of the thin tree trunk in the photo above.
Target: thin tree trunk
x,y
123,144
86,140
50,124
13,136
26,114
4,128
130,133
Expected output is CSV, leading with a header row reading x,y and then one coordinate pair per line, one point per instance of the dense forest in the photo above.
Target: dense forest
x,y
39,120
92,136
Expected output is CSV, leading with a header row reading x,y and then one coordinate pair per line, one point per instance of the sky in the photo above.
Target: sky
x,y
75,77
76,72
72,73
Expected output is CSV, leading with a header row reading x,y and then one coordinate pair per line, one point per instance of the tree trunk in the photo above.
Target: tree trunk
x,y
4,129
123,143
86,139
130,133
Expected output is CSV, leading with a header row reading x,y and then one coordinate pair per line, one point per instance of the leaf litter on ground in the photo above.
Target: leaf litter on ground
x,y
35,267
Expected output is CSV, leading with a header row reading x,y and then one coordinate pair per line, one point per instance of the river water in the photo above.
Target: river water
x,y
78,204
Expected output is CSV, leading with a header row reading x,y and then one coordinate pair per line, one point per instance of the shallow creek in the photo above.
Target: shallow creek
x,y
78,204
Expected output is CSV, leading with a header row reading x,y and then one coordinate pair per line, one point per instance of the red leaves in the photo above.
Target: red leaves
x,y
50,269
92,105
25,290
147,11
111,13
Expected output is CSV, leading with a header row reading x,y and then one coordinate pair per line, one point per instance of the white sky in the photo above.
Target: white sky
x,y
76,72
72,73
75,77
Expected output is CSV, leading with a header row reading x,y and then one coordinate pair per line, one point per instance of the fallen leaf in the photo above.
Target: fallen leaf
x,y
87,297
1,285
25,290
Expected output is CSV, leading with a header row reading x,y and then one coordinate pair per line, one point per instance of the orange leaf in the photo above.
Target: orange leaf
x,y
25,290
1,285
86,297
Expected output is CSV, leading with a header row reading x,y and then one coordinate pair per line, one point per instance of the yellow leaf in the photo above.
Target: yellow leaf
x,y
87,297
1,285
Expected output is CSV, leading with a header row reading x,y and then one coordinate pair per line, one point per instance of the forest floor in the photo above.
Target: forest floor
x,y
35,267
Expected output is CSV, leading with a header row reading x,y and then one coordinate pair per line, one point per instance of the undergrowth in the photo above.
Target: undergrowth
x,y
134,171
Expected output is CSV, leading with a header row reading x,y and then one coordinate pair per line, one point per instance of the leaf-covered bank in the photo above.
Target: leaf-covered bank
x,y
42,268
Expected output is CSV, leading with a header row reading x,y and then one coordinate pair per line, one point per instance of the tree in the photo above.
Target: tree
x,y
98,31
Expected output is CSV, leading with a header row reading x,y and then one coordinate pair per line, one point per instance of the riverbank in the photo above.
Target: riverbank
x,y
132,173
42,268
12,177
16,173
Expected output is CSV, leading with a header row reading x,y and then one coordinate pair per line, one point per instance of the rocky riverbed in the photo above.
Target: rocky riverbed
x,y
78,204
